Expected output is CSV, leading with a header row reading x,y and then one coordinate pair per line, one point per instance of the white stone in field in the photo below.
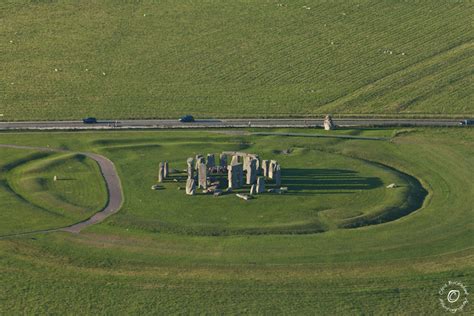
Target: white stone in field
x,y
103,73
56,69
391,186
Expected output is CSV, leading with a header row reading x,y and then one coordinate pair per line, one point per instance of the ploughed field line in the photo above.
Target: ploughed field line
x,y
114,192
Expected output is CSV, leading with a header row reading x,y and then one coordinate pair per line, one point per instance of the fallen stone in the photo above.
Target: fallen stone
x,y
243,196
392,186
156,187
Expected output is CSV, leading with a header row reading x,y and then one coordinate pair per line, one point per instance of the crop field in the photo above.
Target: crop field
x,y
67,59
339,242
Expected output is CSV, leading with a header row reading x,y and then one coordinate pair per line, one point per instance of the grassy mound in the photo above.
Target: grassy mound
x,y
146,59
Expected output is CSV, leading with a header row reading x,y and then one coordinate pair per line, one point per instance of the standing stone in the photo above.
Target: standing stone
x,y
265,167
190,168
271,168
260,185
190,186
252,171
246,161
166,170
199,161
202,175
277,175
253,189
161,172
258,163
235,174
211,161
328,123
235,160
223,160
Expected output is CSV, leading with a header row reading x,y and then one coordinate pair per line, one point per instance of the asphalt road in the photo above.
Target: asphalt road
x,y
216,123
112,181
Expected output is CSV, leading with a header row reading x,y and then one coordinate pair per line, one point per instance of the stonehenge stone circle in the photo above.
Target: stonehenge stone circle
x,y
213,177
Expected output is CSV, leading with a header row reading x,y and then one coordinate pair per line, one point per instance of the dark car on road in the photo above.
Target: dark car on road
x,y
186,119
89,120
466,122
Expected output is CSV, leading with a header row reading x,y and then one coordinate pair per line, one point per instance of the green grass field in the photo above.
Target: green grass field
x,y
162,59
169,253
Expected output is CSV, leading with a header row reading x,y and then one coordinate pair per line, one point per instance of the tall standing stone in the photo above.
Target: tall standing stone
x,y
235,160
166,170
258,163
202,175
211,161
265,167
277,175
199,160
190,186
161,172
252,171
223,160
235,174
190,168
260,185
271,168
246,161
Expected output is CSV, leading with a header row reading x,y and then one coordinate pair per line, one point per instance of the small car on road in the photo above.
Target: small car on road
x,y
89,120
466,122
186,119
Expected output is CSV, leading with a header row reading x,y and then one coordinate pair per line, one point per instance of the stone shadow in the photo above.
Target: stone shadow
x,y
327,180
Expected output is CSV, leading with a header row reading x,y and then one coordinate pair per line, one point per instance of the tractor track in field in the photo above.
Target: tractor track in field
x,y
113,184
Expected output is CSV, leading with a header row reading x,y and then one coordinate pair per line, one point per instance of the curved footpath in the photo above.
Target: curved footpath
x,y
114,190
